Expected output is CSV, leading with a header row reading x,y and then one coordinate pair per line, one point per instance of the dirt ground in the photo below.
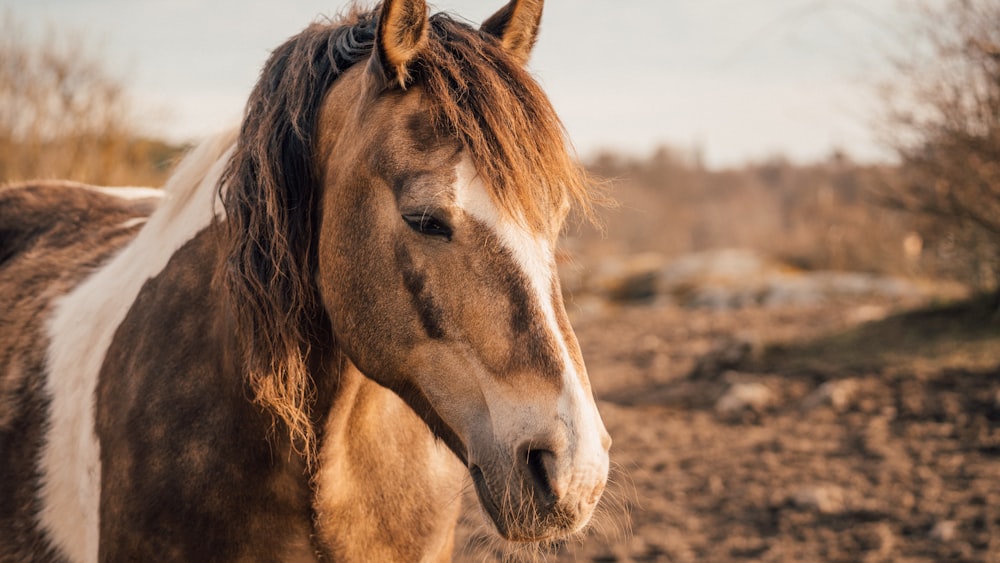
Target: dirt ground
x,y
844,431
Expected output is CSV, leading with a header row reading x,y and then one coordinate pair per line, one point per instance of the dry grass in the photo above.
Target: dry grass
x,y
63,115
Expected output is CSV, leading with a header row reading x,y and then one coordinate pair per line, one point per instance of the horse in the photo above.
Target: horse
x,y
325,325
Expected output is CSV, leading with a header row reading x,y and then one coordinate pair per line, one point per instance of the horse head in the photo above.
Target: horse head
x,y
415,203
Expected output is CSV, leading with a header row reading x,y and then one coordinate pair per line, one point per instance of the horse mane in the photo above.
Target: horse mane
x,y
478,93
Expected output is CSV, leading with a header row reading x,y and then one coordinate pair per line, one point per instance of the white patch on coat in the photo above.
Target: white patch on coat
x,y
133,222
81,329
585,461
129,193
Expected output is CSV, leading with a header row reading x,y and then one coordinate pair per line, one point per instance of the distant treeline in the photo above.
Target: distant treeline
x,y
937,213
816,216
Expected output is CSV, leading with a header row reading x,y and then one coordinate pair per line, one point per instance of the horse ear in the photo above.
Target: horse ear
x,y
516,26
400,36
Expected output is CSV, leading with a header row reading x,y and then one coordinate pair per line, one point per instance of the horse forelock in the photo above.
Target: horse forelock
x,y
477,93
483,95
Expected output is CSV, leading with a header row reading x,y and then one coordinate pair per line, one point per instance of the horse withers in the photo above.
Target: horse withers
x,y
332,317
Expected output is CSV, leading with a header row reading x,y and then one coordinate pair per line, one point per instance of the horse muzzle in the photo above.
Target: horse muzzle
x,y
541,494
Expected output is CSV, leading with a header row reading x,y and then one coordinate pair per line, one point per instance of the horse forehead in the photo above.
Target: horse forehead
x,y
406,143
405,116
388,123
475,198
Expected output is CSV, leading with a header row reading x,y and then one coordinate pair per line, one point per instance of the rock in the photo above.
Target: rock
x,y
726,264
732,279
944,530
837,394
635,278
741,397
827,499
867,314
788,289
725,354
719,279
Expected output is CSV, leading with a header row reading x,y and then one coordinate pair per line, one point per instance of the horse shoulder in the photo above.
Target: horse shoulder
x,y
201,456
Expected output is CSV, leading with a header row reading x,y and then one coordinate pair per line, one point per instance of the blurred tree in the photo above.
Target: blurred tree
x,y
63,115
943,118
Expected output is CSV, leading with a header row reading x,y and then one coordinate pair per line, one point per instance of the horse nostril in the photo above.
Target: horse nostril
x,y
541,467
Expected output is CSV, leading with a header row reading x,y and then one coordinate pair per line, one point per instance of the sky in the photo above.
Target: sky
x,y
732,80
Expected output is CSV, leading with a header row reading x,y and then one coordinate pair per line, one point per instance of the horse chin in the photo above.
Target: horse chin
x,y
522,517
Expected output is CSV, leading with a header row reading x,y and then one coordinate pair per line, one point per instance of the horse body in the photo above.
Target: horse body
x,y
180,435
330,320
181,447
55,234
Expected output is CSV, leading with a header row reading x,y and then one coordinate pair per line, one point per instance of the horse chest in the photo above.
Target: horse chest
x,y
386,490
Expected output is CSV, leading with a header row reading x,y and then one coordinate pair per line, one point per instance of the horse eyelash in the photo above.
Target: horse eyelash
x,y
429,225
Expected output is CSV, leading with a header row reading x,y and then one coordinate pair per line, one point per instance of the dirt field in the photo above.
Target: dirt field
x,y
842,431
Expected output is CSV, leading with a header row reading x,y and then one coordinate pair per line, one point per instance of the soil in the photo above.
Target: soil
x,y
842,431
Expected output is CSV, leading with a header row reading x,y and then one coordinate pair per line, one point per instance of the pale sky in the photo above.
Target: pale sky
x,y
742,80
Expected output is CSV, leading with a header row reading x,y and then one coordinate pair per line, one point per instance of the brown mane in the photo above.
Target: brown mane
x,y
479,94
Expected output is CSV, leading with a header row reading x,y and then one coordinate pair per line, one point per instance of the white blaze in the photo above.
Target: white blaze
x,y
586,457
80,332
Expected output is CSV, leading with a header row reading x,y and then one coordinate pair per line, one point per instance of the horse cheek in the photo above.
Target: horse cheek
x,y
359,289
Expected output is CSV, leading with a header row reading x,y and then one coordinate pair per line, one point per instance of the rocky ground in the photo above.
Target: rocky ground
x,y
857,426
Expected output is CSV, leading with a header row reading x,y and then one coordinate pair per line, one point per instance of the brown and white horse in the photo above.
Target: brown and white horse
x,y
327,321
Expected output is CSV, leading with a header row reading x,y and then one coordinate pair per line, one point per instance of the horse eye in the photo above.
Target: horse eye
x,y
428,225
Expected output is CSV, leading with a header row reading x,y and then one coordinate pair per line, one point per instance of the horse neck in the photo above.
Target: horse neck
x,y
375,452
